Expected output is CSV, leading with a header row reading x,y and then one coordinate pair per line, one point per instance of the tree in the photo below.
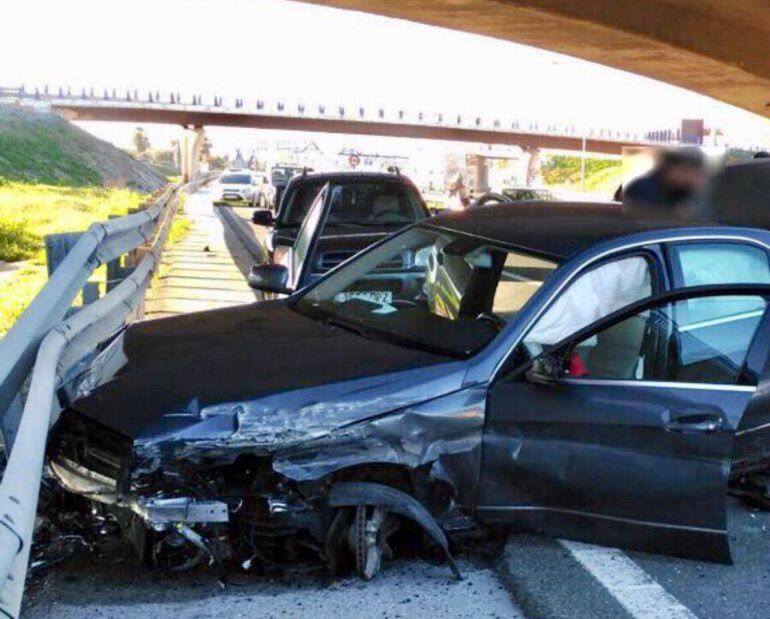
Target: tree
x,y
141,141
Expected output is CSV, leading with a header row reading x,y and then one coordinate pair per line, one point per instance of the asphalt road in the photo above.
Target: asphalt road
x,y
534,577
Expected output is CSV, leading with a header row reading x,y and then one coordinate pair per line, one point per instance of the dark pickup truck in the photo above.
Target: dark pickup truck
x,y
354,210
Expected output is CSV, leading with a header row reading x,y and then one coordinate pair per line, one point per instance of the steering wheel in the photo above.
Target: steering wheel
x,y
491,198
497,322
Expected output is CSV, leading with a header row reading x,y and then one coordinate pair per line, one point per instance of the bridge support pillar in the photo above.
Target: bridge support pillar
x,y
533,165
478,170
190,147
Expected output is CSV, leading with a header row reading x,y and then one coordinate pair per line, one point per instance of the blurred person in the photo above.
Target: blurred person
x,y
672,185
459,196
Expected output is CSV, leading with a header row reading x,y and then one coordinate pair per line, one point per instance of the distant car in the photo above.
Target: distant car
x,y
513,194
242,188
261,189
363,207
280,175
544,366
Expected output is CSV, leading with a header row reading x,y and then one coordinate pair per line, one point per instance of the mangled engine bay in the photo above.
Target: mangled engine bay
x,y
348,497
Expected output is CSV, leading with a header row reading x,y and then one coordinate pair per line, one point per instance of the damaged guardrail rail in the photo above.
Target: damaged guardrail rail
x,y
54,346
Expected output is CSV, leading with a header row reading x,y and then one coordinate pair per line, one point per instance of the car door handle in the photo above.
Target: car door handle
x,y
695,423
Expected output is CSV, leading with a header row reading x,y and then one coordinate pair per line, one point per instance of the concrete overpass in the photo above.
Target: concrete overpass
x,y
714,47
193,115
597,141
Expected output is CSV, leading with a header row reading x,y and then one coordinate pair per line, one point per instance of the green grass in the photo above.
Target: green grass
x,y
17,292
602,175
28,212
45,152
179,228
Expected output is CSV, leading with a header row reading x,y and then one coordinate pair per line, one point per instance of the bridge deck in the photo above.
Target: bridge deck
x,y
204,270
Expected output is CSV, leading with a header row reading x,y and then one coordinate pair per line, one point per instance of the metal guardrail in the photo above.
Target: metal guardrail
x,y
53,346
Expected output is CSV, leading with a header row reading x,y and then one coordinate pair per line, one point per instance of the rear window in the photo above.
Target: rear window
x,y
356,203
379,203
283,175
235,179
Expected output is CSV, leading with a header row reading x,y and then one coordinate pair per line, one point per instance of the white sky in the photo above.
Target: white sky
x,y
275,48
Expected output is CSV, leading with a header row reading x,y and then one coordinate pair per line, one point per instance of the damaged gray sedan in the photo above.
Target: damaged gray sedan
x,y
547,366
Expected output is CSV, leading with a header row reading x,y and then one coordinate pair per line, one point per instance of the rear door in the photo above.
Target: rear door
x,y
630,442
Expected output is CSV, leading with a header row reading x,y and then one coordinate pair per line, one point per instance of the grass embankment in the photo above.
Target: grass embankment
x,y
44,152
563,171
36,147
28,212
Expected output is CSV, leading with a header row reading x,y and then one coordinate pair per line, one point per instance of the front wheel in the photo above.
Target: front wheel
x,y
368,539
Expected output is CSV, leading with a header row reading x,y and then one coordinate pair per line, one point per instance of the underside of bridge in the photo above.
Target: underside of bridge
x,y
714,47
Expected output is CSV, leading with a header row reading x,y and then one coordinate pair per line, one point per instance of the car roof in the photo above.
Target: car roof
x,y
342,175
556,230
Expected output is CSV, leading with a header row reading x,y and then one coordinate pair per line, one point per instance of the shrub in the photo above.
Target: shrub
x,y
16,242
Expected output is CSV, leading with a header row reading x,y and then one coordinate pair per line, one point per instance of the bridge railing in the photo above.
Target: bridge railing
x,y
318,110
467,119
51,345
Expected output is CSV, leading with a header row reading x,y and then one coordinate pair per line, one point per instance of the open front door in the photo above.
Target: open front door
x,y
303,250
623,434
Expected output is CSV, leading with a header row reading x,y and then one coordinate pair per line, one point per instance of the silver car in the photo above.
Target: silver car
x,y
240,188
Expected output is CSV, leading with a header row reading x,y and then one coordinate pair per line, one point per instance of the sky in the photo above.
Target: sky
x,y
276,49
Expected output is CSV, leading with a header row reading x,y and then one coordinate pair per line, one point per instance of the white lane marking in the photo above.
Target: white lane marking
x,y
638,592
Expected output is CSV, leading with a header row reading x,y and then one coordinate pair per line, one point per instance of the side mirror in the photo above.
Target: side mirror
x,y
270,278
263,217
547,369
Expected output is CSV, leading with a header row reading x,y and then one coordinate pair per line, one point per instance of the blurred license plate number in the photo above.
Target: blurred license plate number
x,y
373,296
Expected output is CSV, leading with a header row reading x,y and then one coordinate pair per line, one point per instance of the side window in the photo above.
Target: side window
x,y
666,344
702,264
592,296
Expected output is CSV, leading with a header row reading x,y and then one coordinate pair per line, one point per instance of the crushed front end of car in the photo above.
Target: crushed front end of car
x,y
342,462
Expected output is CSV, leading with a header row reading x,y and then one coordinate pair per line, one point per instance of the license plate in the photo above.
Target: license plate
x,y
373,296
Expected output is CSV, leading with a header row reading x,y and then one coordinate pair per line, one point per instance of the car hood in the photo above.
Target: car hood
x,y
260,374
235,187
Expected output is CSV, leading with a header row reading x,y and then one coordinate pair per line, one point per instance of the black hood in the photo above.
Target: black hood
x,y
230,355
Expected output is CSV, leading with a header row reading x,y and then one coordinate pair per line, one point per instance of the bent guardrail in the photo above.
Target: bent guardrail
x,y
55,346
